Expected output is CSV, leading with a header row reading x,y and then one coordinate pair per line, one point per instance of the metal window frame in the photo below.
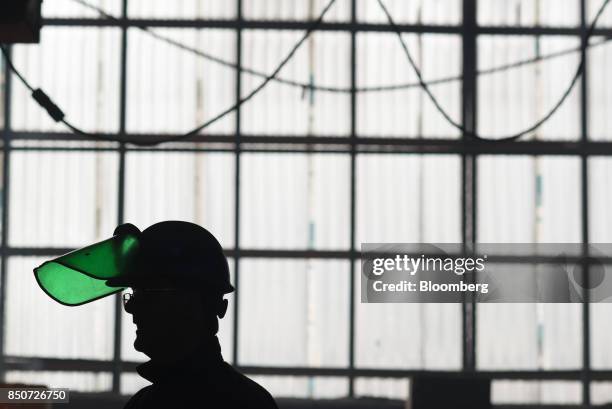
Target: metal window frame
x,y
352,145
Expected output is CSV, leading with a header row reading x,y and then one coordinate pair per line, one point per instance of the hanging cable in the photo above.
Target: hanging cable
x,y
344,90
460,127
56,113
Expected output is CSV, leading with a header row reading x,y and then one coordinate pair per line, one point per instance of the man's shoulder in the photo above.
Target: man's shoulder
x,y
222,386
134,401
251,390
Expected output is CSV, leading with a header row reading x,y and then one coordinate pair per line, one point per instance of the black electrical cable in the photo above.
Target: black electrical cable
x,y
58,115
459,126
344,90
45,102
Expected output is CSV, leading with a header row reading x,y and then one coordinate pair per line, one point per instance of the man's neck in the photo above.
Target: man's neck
x,y
207,354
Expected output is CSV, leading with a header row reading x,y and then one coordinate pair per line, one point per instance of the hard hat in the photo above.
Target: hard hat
x,y
167,254
178,254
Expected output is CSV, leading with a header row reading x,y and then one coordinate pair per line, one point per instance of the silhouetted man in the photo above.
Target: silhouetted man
x,y
179,280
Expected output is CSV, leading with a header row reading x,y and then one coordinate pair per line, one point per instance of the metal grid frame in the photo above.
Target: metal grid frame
x,y
466,148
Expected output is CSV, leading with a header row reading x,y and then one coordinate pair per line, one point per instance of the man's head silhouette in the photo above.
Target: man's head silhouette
x,y
178,279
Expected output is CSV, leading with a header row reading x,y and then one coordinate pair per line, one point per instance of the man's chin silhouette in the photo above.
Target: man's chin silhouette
x,y
179,281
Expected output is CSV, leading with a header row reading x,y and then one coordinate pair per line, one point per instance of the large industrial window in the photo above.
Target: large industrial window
x,y
297,178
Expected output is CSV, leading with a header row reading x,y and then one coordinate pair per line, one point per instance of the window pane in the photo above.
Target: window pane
x,y
601,393
75,381
2,91
536,392
293,312
529,199
71,8
288,110
600,89
195,187
295,201
184,9
407,112
406,336
81,76
411,12
304,387
382,388
408,199
600,227
36,325
592,7
171,90
529,12
529,336
62,199
295,10
601,335
600,199
512,100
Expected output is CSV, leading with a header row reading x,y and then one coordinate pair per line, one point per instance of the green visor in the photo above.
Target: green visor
x,y
80,276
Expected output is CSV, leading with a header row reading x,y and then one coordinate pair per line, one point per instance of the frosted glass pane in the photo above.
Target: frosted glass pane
x,y
529,336
62,199
75,381
535,392
36,325
407,112
406,336
600,90
382,388
2,91
293,312
601,392
195,187
81,76
70,8
592,7
411,12
529,200
414,336
529,12
601,336
184,9
170,90
288,110
408,199
600,200
304,387
295,10
295,201
512,100
600,222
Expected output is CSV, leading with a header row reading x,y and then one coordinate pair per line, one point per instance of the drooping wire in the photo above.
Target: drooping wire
x,y
58,115
459,126
345,90
45,102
